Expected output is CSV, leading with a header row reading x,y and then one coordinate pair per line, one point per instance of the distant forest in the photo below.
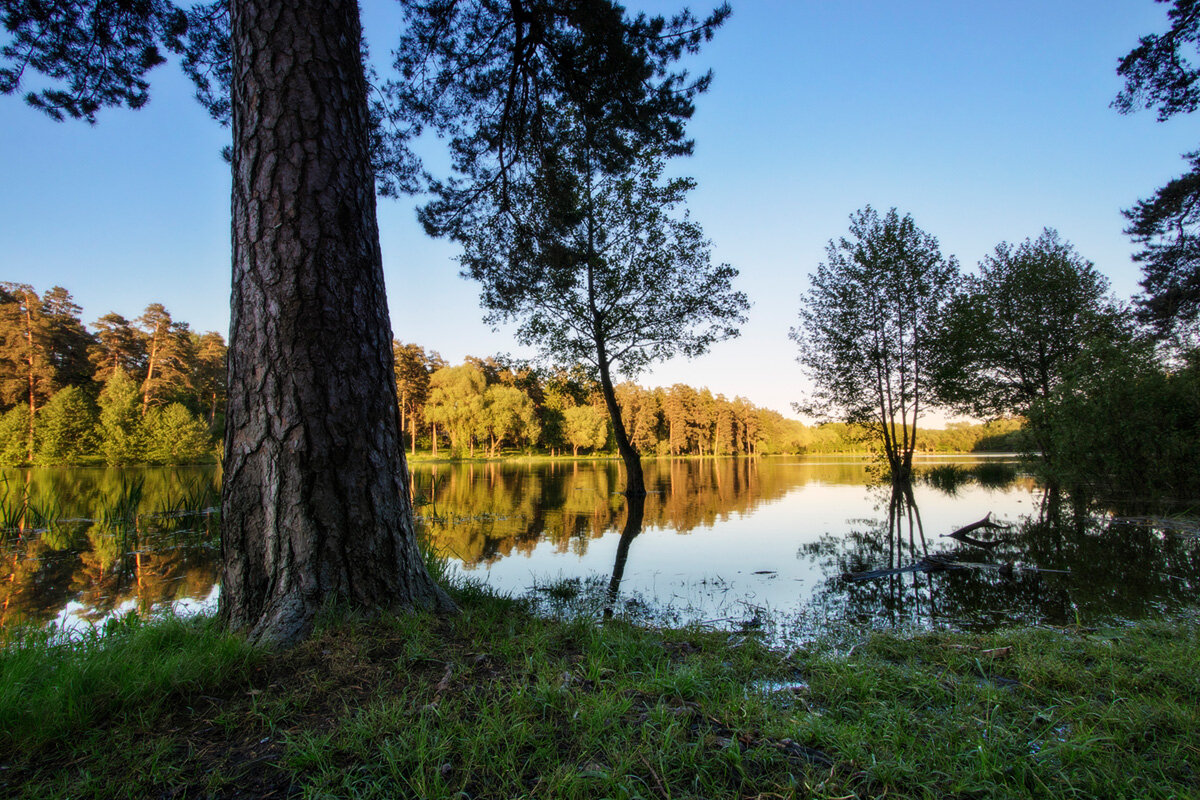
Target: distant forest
x,y
152,390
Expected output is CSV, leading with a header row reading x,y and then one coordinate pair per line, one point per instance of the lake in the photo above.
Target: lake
x,y
721,541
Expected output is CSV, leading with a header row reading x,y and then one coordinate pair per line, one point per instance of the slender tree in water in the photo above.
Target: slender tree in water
x,y
559,206
598,270
866,328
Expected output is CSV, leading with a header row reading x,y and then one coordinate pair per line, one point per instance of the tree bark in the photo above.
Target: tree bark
x,y
315,506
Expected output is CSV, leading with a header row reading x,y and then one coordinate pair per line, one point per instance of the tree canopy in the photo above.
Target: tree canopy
x,y
1011,335
1160,73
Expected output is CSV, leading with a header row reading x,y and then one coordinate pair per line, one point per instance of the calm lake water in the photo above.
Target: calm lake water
x,y
720,541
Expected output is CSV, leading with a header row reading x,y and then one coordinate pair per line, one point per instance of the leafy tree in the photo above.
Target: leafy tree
x,y
67,427
14,436
120,420
865,328
679,409
584,426
173,435
413,368
1125,429
1010,337
117,345
208,375
1158,73
570,109
647,420
601,272
508,413
456,403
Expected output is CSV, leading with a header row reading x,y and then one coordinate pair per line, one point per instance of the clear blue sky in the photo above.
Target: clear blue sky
x,y
986,120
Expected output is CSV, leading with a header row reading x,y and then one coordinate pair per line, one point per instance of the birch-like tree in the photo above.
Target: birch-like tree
x,y
865,330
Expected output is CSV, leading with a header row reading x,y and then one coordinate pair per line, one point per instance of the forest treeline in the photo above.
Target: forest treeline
x,y
486,405
152,390
148,390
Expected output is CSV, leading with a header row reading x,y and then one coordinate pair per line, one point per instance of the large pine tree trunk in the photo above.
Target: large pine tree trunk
x,y
315,504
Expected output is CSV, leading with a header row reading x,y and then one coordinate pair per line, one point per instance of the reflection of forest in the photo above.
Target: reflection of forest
x,y
480,513
107,540
1102,571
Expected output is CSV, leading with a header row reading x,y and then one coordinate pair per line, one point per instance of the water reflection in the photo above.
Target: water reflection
x,y
717,539
634,515
1059,565
92,543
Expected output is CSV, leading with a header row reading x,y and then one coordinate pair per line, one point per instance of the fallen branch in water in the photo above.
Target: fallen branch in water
x,y
984,524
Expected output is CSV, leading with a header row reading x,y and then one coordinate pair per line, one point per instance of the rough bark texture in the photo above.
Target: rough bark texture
x,y
315,503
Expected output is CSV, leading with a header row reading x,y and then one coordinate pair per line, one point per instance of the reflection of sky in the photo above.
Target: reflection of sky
x,y
749,558
76,619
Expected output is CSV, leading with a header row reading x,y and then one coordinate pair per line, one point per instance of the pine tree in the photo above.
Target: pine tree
x,y
67,428
68,341
169,355
121,439
27,374
117,345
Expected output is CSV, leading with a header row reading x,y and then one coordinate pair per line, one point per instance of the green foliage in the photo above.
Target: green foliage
x,y
585,427
1125,429
120,420
1009,338
50,364
1158,73
456,403
93,54
497,79
508,413
14,436
27,358
173,435
602,272
865,327
67,428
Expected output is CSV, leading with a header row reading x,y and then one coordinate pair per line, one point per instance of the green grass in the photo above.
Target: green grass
x,y
497,702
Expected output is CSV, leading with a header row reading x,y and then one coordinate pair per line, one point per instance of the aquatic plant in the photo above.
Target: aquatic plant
x,y
946,477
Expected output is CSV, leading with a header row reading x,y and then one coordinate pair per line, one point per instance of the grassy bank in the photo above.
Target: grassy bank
x,y
498,703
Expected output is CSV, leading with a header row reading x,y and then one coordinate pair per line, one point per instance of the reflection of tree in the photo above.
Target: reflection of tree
x,y
146,536
889,545
481,513
635,511
1112,571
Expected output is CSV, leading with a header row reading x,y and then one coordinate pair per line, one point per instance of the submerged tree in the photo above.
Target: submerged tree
x,y
866,328
598,270
561,116
1158,74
